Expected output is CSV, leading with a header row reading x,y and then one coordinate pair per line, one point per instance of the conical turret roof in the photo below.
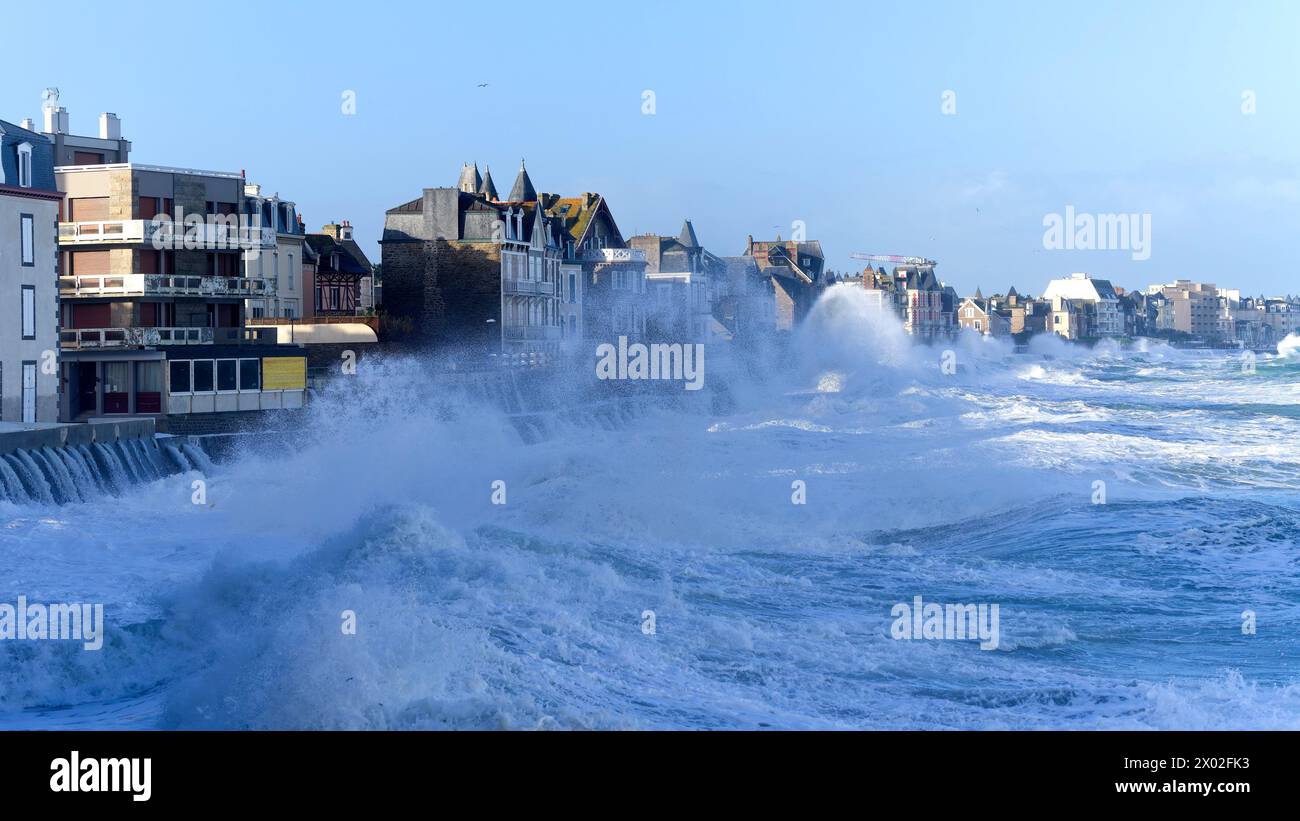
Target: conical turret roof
x,y
523,190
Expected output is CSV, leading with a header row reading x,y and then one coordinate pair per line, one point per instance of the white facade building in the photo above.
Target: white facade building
x,y
1081,287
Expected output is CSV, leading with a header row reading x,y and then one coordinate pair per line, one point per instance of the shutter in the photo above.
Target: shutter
x,y
88,263
87,209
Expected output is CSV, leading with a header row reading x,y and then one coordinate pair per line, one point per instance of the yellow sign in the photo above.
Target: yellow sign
x,y
284,373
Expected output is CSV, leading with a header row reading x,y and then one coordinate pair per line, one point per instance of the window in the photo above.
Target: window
x,y
249,374
573,288
148,387
180,375
29,311
25,165
28,239
29,392
226,375
203,376
115,375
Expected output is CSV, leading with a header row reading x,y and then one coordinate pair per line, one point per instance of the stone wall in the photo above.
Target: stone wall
x,y
443,293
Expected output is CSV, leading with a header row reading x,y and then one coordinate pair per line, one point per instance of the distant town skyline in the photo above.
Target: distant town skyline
x,y
938,130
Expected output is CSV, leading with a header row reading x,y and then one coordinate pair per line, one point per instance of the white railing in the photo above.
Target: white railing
x,y
161,285
525,286
102,231
163,169
532,332
167,235
129,337
614,255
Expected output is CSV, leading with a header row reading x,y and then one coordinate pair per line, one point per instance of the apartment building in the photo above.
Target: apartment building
x,y
153,289
29,206
1193,308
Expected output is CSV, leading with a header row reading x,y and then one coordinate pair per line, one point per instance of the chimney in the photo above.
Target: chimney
x,y
110,127
56,120
345,231
28,124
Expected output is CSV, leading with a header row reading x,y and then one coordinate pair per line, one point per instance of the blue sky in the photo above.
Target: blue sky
x,y
765,113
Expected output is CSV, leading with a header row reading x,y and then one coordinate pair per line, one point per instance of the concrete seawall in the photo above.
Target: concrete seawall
x,y
54,436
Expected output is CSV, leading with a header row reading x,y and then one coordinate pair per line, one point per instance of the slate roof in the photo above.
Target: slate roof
x,y
488,189
352,260
523,190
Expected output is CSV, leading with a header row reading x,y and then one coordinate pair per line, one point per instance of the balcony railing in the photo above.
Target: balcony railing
x,y
137,337
161,285
166,235
528,287
133,337
532,332
614,255
125,231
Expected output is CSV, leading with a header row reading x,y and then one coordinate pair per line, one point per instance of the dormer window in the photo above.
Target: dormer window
x,y
25,165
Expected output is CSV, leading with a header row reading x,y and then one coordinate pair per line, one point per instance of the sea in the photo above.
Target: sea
x,y
425,556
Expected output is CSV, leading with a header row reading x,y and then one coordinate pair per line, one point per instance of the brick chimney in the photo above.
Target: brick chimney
x,y
339,232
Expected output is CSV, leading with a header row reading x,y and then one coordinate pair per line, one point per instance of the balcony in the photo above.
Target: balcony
x,y
525,287
532,333
613,255
166,235
161,285
133,337
137,337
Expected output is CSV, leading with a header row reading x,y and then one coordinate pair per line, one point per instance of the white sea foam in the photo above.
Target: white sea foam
x,y
967,486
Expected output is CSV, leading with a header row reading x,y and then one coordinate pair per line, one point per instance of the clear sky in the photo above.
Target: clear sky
x,y
829,113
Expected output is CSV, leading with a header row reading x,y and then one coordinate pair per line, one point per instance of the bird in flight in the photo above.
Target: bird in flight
x,y
482,85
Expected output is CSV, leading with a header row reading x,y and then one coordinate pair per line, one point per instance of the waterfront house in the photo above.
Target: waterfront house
x,y
29,207
976,314
794,270
340,266
464,269
1078,288
679,274
279,267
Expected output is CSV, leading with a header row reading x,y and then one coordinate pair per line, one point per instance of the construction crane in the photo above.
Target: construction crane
x,y
895,260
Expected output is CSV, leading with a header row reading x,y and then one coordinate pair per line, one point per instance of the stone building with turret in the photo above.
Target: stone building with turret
x,y
464,269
